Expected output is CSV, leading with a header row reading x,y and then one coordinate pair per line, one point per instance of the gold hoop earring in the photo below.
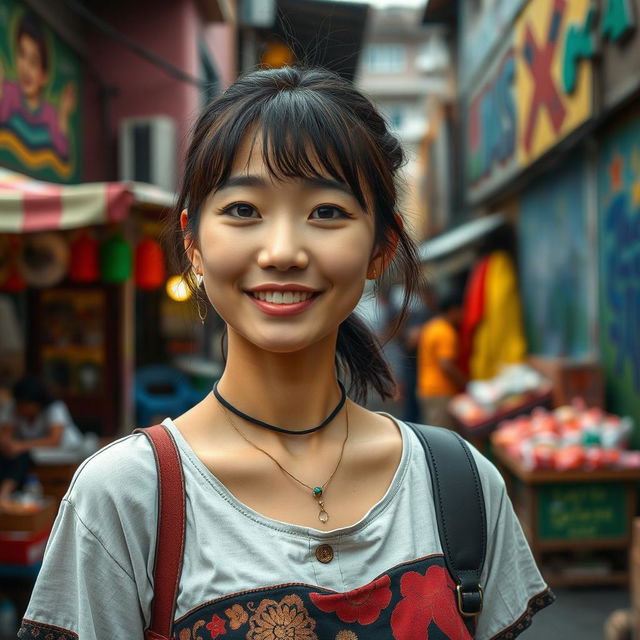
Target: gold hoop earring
x,y
202,316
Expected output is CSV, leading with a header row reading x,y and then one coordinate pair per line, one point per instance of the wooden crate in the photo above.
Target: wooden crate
x,y
572,378
573,511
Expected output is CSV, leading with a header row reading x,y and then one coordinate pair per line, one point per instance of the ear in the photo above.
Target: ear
x,y
382,258
190,247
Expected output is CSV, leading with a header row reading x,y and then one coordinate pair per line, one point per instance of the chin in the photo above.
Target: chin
x,y
287,341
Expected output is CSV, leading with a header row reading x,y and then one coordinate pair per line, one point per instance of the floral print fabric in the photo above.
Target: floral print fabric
x,y
413,600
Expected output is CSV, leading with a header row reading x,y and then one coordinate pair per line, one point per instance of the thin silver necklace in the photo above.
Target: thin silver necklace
x,y
318,491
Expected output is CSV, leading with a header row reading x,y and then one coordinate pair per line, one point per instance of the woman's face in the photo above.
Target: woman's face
x,y
284,262
31,74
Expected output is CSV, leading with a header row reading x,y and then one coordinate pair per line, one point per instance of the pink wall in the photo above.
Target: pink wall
x,y
222,44
171,30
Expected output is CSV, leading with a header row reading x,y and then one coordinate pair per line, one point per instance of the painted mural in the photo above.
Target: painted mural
x,y
483,33
554,260
39,90
619,236
521,107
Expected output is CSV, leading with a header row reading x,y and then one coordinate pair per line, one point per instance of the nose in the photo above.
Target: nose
x,y
283,246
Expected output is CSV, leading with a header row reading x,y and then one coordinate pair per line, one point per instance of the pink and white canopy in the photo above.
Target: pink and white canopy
x,y
28,205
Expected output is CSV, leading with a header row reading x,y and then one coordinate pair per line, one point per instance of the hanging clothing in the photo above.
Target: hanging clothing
x,y
473,311
498,339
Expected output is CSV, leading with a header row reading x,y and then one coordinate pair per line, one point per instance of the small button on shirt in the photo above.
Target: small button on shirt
x,y
324,553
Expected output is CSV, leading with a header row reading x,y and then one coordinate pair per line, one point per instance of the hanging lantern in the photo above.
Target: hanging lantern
x,y
84,265
149,264
116,260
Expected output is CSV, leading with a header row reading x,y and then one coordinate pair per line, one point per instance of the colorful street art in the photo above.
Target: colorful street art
x,y
555,264
39,97
619,236
521,109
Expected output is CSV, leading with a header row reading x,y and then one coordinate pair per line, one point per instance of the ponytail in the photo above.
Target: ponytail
x,y
360,362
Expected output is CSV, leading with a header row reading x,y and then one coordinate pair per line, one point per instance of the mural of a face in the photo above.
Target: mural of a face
x,y
32,76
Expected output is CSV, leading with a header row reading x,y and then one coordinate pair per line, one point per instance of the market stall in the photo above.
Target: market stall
x,y
573,482
68,265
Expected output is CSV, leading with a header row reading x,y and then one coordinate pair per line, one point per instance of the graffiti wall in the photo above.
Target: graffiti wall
x,y
39,97
619,237
536,92
555,263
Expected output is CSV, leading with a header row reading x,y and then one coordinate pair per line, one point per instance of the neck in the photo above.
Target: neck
x,y
290,390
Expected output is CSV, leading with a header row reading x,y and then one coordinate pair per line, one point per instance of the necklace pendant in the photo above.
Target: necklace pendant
x,y
323,516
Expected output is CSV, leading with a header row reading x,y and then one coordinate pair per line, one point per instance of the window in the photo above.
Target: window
x,y
208,74
385,58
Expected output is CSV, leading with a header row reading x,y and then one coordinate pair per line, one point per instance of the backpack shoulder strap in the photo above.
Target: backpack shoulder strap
x,y
171,526
460,511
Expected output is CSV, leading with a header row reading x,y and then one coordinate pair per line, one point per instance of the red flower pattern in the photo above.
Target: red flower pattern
x,y
427,598
216,626
363,604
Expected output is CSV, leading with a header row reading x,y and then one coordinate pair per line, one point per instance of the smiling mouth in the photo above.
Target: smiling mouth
x,y
283,297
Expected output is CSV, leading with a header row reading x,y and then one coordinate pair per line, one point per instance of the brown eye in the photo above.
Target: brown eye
x,y
242,211
328,213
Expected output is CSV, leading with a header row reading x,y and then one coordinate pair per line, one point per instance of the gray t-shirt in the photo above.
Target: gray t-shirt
x,y
96,580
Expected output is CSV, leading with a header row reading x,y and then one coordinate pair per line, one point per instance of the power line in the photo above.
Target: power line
x,y
149,56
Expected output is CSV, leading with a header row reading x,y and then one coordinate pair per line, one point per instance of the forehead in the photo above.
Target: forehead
x,y
303,165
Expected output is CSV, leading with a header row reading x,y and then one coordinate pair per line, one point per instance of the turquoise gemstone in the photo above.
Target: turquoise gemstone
x,y
317,491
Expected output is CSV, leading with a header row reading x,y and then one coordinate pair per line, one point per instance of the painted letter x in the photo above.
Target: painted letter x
x,y
539,60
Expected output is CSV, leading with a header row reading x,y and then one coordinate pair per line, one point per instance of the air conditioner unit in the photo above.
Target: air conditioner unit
x,y
147,151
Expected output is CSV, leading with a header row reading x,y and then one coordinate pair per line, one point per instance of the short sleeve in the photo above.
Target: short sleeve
x,y
96,578
514,590
82,591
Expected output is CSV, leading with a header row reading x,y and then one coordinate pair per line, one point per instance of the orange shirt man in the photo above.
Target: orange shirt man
x,y
439,377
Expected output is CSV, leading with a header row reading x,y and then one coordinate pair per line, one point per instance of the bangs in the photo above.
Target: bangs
x,y
301,135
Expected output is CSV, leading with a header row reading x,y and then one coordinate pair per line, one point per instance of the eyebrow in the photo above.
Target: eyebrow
x,y
315,182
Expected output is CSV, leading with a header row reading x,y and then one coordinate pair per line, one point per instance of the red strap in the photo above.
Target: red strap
x,y
171,526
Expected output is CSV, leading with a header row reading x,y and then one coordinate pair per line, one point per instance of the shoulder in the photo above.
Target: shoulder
x,y
122,473
493,486
57,411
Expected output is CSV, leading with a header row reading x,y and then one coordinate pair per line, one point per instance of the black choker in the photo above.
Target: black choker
x,y
290,432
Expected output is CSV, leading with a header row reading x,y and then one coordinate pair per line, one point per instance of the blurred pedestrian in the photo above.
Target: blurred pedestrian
x,y
439,376
32,420
306,515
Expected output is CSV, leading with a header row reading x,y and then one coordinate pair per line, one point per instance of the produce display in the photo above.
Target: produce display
x,y
568,438
483,399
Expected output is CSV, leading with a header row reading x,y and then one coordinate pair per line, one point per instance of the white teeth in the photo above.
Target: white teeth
x,y
282,297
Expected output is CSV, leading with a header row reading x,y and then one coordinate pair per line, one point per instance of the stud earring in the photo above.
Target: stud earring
x,y
199,280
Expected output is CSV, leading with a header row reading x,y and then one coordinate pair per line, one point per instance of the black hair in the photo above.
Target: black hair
x,y
29,25
31,389
310,121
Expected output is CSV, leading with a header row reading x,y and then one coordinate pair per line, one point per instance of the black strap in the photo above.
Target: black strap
x,y
460,511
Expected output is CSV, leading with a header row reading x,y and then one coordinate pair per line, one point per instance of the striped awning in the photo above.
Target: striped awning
x,y
28,205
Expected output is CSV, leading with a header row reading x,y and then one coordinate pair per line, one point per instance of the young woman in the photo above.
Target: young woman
x,y
306,517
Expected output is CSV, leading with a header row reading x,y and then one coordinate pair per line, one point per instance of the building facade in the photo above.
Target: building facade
x,y
549,101
96,104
